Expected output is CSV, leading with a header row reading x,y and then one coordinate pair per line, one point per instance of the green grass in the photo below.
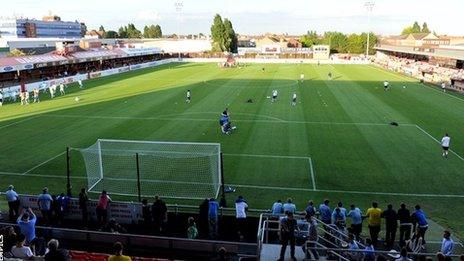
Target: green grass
x,y
339,132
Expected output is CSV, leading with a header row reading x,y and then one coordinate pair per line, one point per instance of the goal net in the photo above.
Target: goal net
x,y
167,169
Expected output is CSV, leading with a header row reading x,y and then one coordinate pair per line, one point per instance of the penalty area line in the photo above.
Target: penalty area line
x,y
433,138
349,191
43,163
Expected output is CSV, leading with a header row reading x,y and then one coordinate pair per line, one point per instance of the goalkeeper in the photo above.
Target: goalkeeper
x,y
226,126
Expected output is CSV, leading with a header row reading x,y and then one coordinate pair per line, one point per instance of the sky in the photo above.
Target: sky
x,y
388,17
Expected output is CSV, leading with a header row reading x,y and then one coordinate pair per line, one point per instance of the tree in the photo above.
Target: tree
x,y
217,33
310,39
416,27
336,40
407,30
102,30
230,36
111,34
133,32
425,28
158,33
146,33
122,32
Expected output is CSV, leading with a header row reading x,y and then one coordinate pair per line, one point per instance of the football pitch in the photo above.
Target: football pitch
x,y
336,143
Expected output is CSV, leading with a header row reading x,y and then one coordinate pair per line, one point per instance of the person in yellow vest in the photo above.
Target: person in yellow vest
x,y
373,216
118,256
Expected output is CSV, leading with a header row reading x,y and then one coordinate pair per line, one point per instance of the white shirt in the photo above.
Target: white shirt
x,y
1,96
294,96
385,83
240,209
80,82
61,87
274,93
443,85
21,252
188,94
445,142
301,76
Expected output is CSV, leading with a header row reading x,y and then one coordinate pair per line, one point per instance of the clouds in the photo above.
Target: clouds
x,y
253,16
148,15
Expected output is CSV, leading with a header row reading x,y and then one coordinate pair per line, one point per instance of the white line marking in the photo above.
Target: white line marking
x,y
399,76
161,118
428,134
313,178
17,122
348,191
38,175
266,156
45,162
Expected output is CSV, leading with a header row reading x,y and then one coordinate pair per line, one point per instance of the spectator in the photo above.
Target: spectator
x,y
289,206
373,220
114,227
213,212
240,213
356,221
55,210
440,256
353,245
192,231
403,255
9,238
221,255
448,244
118,256
26,222
419,218
83,199
277,208
13,202
310,209
312,238
416,243
404,216
21,251
159,212
288,225
44,201
203,218
369,251
326,213
339,218
146,213
102,208
391,224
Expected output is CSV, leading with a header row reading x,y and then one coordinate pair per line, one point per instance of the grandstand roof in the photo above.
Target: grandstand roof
x,y
443,52
8,64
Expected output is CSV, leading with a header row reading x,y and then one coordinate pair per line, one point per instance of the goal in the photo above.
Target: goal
x,y
147,168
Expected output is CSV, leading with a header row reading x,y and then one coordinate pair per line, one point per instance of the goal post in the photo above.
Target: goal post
x,y
186,170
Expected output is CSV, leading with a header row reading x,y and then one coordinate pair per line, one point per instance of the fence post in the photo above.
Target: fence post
x,y
68,174
138,177
223,202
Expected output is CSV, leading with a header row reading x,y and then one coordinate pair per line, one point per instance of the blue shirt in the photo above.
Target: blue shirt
x,y
44,201
447,246
355,215
11,195
326,214
27,228
277,208
213,210
420,217
310,210
340,216
290,207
